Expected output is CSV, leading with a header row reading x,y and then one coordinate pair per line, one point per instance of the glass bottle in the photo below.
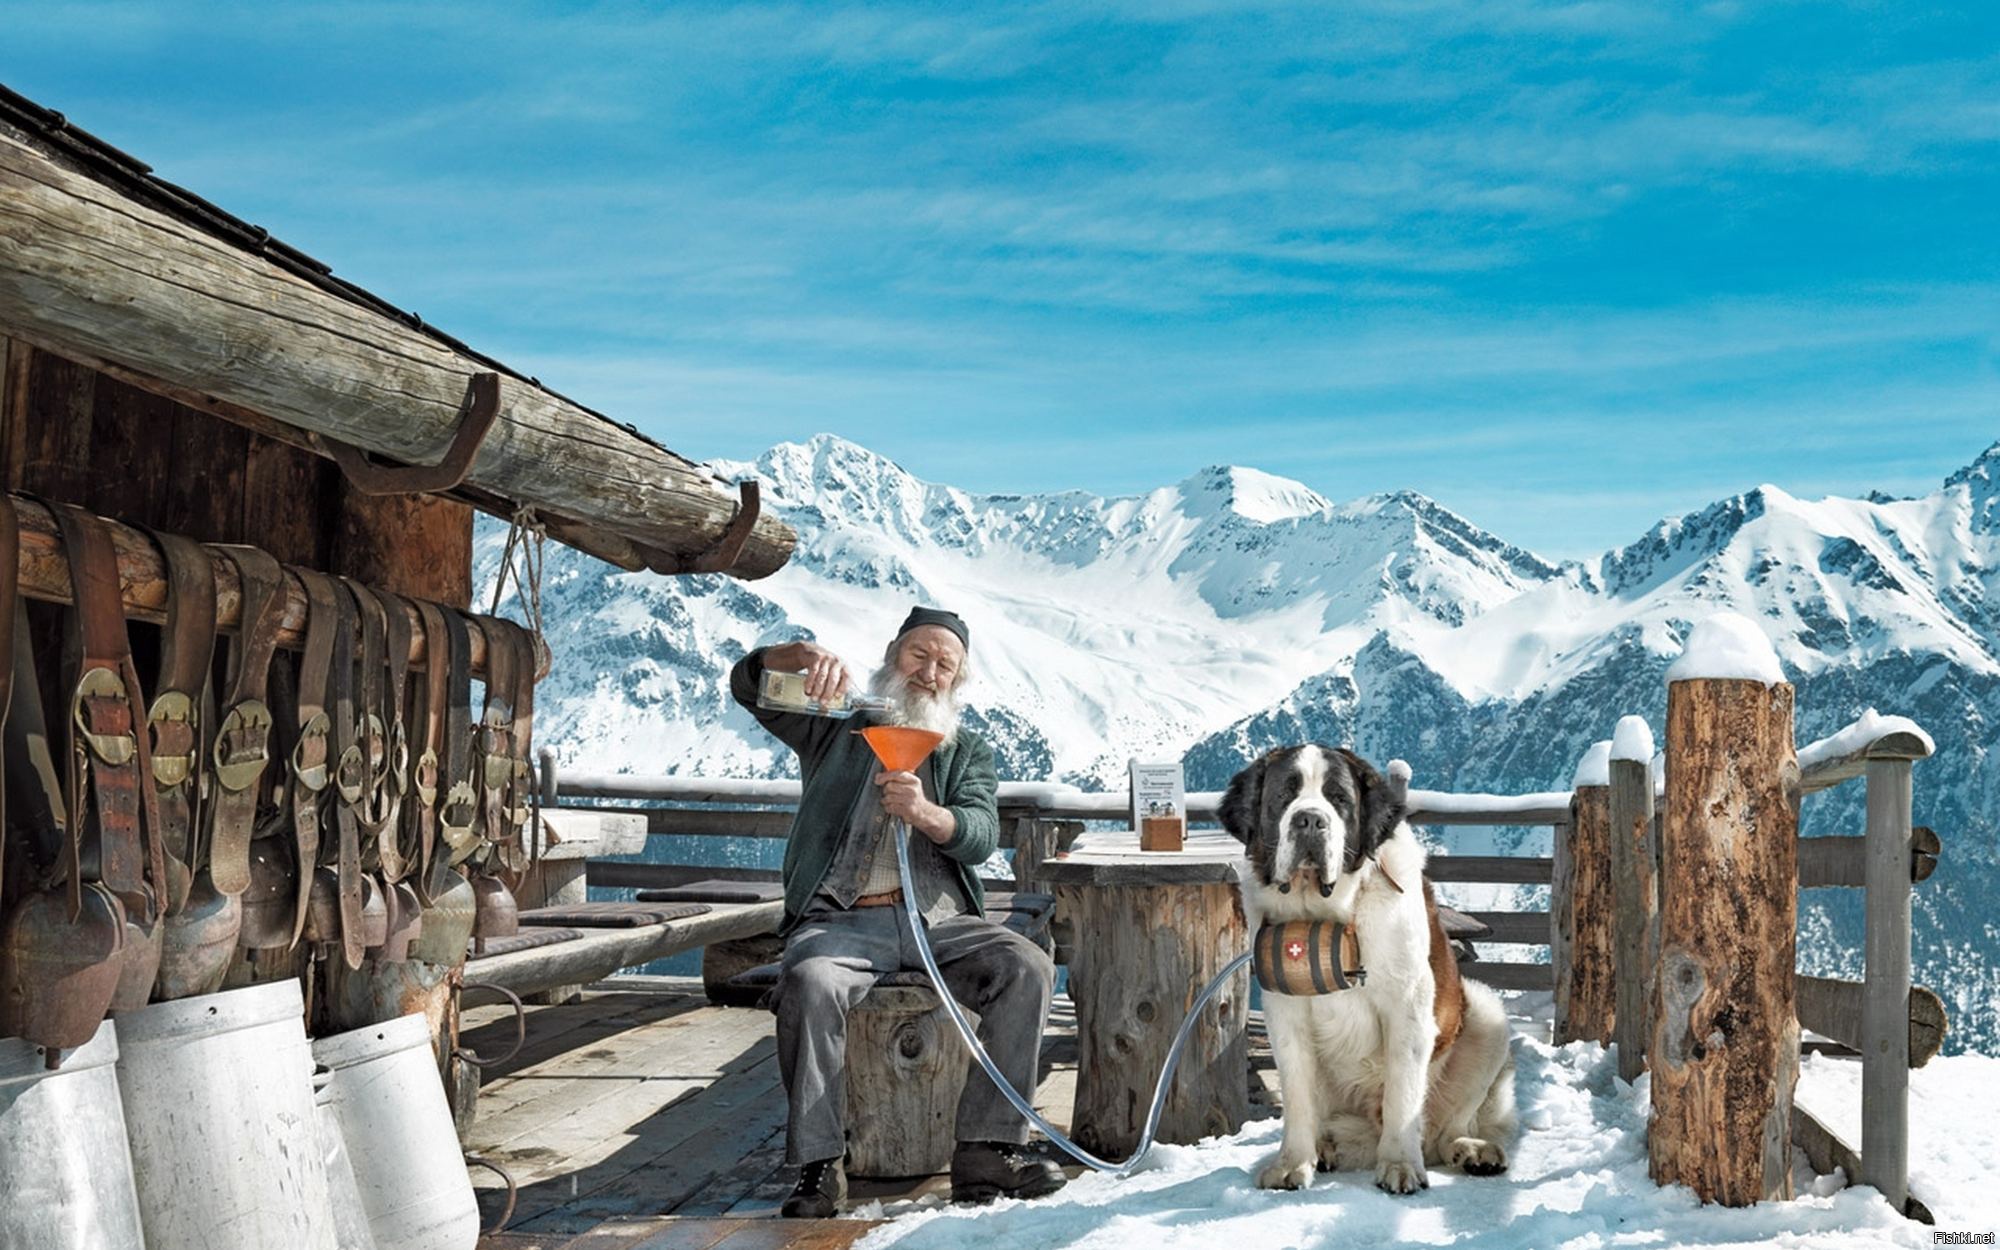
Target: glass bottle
x,y
786,692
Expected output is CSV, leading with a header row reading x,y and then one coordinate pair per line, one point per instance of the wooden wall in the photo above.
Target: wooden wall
x,y
70,433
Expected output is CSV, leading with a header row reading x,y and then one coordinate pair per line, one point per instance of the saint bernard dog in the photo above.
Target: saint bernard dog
x,y
1410,1067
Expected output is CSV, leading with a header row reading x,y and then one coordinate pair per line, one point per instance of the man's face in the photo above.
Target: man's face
x,y
930,659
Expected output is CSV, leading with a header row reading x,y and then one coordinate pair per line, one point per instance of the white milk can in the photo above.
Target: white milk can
x,y
67,1172
400,1139
219,1109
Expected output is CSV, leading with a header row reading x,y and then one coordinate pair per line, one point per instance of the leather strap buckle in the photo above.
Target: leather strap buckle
x,y
171,720
461,808
242,746
350,776
425,777
309,753
102,710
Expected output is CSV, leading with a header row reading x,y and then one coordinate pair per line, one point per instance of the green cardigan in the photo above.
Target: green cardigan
x,y
835,764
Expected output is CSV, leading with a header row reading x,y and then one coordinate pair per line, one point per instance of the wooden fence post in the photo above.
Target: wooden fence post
x,y
1636,920
1580,909
1885,994
1725,1045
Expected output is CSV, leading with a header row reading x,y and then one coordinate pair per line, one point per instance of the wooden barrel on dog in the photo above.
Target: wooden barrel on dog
x,y
1306,957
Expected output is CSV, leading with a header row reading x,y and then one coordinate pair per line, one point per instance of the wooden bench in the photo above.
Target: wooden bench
x,y
906,1063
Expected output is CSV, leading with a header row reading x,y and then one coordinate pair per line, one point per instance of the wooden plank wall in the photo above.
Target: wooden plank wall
x,y
70,433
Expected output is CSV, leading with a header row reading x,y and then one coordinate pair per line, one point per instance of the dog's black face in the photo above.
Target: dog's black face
x,y
1309,809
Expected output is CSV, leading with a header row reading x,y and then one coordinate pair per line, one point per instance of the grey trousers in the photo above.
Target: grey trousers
x,y
832,960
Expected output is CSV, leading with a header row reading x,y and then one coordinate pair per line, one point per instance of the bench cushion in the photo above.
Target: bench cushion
x,y
526,941
611,915
716,892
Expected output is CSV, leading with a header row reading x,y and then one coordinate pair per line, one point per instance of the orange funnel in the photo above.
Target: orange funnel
x,y
899,747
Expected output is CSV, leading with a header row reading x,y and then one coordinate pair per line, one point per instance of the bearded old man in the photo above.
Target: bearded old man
x,y
845,922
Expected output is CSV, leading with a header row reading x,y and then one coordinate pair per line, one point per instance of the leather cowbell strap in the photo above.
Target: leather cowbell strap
x,y
397,861
496,731
420,818
350,778
243,738
114,834
312,755
174,721
10,585
371,730
459,814
524,741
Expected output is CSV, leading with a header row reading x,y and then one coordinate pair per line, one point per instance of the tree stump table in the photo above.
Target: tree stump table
x,y
1151,930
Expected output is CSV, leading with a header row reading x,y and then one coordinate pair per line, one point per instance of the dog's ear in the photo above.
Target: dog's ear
x,y
1379,808
1243,800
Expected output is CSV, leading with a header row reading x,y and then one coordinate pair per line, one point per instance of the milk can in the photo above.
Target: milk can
x,y
68,1175
219,1109
350,1219
400,1138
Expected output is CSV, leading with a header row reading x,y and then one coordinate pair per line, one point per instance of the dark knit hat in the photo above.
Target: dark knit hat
x,y
937,616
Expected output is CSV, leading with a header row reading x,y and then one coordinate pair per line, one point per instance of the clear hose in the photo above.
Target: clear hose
x,y
1021,1104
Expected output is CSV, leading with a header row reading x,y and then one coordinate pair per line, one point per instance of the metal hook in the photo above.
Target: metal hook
x,y
476,414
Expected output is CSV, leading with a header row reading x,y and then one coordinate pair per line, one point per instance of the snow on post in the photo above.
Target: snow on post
x,y
1580,906
1724,1051
1635,891
1727,645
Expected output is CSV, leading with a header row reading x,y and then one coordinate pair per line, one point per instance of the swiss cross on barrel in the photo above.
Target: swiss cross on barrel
x,y
1295,949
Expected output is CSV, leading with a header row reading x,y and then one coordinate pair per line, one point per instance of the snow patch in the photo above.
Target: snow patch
x,y
1727,646
1632,740
1870,728
1594,769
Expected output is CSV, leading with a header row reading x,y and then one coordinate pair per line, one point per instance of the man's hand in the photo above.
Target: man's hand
x,y
826,674
903,797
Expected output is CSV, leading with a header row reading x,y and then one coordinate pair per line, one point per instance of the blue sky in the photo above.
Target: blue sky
x,y
1566,267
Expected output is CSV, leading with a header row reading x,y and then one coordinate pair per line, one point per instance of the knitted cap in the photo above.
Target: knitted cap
x,y
919,617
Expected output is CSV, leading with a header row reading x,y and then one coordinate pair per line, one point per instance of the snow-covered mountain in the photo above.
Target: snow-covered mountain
x,y
1237,610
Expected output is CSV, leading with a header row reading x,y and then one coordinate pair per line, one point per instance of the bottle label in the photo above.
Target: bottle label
x,y
787,692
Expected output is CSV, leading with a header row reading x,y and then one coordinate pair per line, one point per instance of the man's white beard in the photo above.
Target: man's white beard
x,y
916,707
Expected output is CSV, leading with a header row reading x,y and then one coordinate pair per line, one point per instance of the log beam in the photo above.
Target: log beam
x,y
1725,1045
91,274
142,583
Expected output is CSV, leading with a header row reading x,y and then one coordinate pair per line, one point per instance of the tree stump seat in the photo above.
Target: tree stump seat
x,y
905,1061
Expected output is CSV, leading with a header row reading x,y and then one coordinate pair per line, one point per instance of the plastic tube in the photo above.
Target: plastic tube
x,y
1022,1105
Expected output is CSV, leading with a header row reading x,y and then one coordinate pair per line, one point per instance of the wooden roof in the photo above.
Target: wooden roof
x,y
108,265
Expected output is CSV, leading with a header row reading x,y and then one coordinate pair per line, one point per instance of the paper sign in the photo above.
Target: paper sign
x,y
1157,790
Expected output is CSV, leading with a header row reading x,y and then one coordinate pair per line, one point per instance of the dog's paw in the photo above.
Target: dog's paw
x,y
1282,1173
1398,1177
1476,1156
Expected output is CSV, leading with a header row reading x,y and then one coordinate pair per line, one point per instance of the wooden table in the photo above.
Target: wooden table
x,y
1150,930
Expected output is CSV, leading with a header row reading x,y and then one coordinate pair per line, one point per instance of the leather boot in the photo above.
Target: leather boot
x,y
821,1189
984,1170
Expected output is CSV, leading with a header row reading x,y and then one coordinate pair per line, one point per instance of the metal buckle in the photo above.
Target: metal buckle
x,y
98,688
460,798
316,731
496,763
239,770
350,775
399,758
425,777
171,721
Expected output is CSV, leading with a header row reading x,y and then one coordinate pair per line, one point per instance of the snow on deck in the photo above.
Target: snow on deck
x,y
1578,1181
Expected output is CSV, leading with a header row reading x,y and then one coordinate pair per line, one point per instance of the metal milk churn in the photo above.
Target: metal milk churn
x,y
219,1110
68,1174
350,1218
400,1138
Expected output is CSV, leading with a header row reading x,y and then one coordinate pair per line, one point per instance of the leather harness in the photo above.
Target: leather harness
x,y
311,768
175,721
242,741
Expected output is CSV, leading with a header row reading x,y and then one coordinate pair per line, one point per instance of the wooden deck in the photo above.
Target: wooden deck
x,y
644,1117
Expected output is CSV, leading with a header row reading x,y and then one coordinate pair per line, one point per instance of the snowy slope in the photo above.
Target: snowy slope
x,y
1236,610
